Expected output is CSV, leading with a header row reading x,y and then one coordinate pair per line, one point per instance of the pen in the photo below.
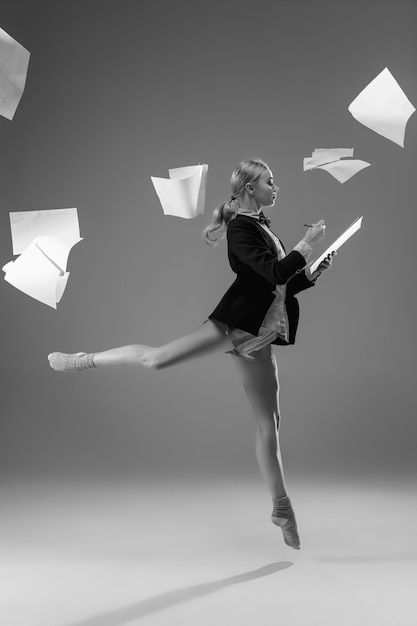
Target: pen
x,y
309,225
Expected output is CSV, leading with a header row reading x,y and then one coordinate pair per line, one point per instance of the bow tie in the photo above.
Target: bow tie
x,y
261,217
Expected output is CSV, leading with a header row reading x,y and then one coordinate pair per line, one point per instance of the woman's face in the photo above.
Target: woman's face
x,y
265,190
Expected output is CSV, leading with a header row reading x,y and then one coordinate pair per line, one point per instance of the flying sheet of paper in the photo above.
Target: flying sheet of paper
x,y
40,271
383,107
26,225
184,193
347,234
14,61
44,240
320,156
335,161
344,169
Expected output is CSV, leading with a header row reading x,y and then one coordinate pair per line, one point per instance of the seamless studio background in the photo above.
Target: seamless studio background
x,y
119,91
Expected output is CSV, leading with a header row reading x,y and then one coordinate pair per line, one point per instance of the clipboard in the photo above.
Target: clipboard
x,y
347,234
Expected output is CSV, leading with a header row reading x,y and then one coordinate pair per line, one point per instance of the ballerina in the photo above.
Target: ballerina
x,y
258,310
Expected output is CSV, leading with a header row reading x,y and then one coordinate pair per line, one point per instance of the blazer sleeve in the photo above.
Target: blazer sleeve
x,y
247,244
298,283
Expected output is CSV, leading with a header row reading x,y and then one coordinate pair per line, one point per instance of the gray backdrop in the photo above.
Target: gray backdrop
x,y
121,90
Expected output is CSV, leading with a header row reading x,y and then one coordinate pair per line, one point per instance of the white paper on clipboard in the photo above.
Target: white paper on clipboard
x,y
347,234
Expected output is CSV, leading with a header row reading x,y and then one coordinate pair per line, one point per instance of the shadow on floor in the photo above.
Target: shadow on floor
x,y
166,600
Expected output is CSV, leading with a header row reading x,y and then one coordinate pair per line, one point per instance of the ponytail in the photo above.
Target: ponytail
x,y
222,215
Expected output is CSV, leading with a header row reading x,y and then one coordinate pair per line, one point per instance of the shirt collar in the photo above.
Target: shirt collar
x,y
258,215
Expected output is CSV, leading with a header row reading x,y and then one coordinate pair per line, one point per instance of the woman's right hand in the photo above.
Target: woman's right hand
x,y
316,233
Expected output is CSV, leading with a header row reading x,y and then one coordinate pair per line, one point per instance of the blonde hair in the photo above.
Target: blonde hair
x,y
246,172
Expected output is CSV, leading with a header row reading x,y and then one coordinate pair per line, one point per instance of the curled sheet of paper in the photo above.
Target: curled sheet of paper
x,y
335,161
44,240
14,61
344,169
26,225
383,107
347,234
184,193
40,271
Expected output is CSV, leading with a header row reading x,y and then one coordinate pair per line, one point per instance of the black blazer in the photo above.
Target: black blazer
x,y
253,257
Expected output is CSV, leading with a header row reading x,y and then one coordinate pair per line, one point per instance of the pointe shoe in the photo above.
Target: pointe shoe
x,y
284,517
289,531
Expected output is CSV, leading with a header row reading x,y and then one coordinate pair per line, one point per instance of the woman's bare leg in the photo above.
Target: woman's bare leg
x,y
207,338
260,381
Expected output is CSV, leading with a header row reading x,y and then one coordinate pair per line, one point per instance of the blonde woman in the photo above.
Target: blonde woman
x,y
258,310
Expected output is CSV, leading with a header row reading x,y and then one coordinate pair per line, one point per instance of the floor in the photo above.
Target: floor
x,y
189,552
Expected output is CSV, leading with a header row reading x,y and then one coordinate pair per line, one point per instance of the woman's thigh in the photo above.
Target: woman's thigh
x,y
260,381
208,338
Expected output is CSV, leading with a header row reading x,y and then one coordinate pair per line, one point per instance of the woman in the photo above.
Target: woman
x,y
258,310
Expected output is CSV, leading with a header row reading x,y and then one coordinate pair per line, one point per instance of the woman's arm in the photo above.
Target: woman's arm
x,y
248,245
298,283
306,279
324,265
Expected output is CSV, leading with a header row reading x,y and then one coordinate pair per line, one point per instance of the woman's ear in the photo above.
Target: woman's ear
x,y
249,188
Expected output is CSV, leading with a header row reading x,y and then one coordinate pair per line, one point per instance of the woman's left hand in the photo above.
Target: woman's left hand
x,y
324,265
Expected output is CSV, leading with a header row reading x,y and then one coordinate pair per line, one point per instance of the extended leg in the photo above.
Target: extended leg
x,y
207,338
260,381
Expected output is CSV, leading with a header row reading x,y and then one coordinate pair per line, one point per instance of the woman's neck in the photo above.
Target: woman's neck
x,y
248,205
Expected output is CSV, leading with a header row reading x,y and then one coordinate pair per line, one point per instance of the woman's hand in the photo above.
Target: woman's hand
x,y
324,265
315,234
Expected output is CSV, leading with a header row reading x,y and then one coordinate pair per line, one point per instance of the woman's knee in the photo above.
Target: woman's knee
x,y
143,355
155,359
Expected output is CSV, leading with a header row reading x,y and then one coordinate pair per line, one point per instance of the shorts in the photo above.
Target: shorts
x,y
251,347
